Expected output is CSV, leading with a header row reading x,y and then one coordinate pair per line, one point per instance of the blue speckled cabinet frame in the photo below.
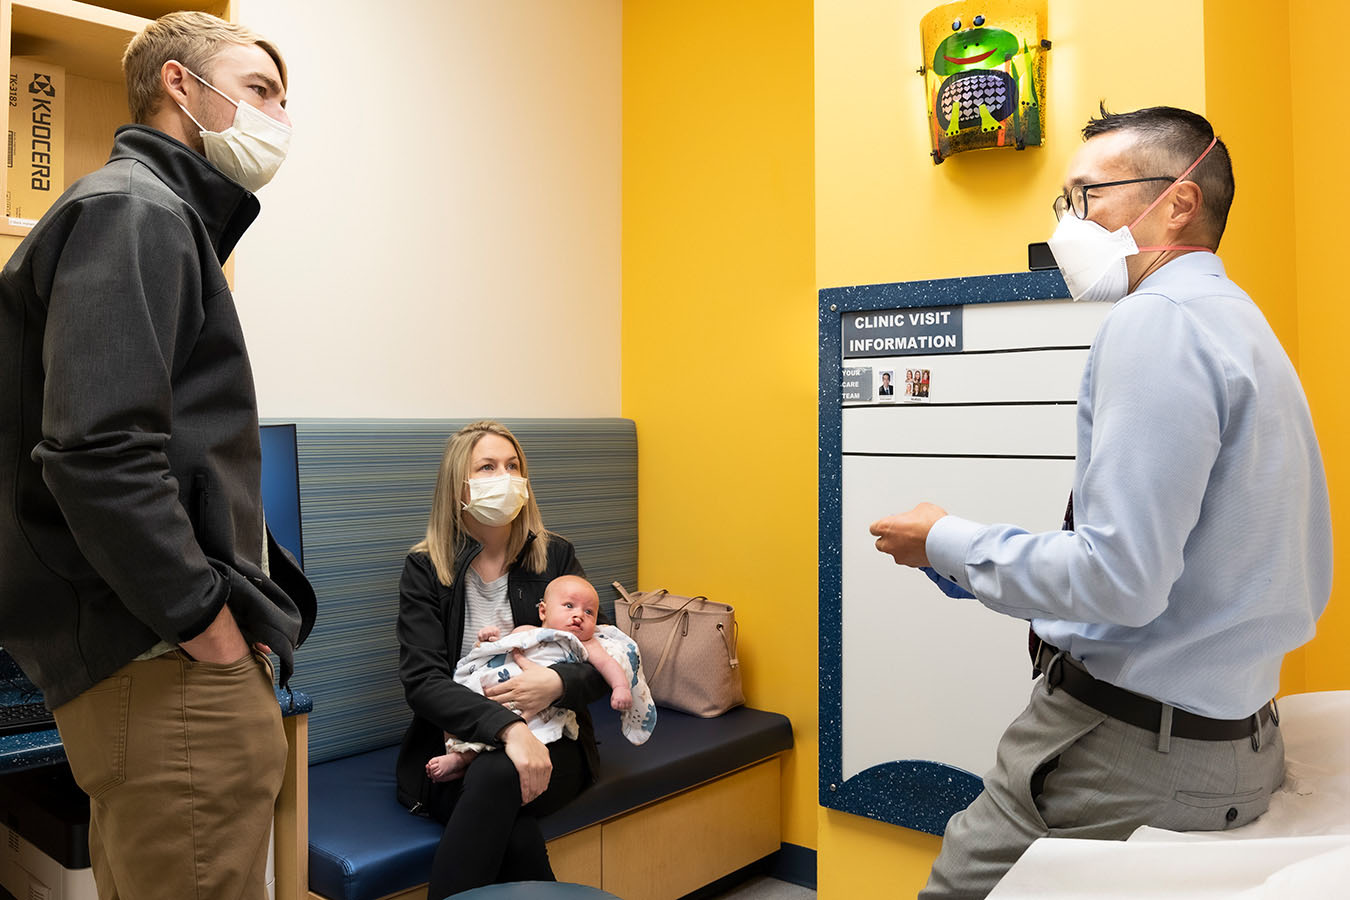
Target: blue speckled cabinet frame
x,y
918,794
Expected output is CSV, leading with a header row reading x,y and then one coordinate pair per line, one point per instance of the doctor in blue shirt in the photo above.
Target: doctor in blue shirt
x,y
1196,550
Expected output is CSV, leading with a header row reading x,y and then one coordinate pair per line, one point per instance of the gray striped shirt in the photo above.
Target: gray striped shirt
x,y
485,604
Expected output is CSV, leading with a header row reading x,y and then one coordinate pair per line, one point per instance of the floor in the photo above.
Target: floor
x,y
762,887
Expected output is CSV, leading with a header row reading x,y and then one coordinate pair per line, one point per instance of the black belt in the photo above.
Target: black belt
x,y
1063,672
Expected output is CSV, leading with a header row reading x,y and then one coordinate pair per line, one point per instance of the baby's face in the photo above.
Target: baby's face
x,y
570,609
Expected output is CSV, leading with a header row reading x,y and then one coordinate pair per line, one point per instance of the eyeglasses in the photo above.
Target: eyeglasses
x,y
1077,198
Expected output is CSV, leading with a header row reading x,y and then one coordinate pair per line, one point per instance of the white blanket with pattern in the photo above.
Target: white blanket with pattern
x,y
492,663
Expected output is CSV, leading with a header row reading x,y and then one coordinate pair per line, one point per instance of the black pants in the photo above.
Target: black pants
x,y
489,837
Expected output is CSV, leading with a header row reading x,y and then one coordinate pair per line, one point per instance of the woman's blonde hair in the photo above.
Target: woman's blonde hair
x,y
446,534
192,38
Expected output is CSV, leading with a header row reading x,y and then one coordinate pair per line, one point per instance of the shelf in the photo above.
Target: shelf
x,y
87,40
153,9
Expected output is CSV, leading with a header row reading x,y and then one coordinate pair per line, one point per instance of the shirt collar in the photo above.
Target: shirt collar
x,y
1194,264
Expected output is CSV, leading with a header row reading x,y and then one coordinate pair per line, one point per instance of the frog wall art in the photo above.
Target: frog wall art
x,y
984,75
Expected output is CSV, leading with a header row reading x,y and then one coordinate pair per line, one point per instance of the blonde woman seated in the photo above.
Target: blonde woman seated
x,y
486,562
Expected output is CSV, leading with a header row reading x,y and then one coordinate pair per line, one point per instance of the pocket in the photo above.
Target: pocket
x,y
93,729
226,668
1202,800
1058,757
1205,811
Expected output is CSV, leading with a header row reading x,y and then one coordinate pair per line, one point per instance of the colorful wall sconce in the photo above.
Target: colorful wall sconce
x,y
984,75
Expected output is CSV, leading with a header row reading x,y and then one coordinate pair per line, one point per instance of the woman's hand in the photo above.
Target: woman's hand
x,y
530,757
531,692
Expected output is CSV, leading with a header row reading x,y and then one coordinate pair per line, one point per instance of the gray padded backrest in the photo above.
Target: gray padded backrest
x,y
365,493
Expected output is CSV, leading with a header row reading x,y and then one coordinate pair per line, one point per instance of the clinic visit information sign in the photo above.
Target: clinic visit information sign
x,y
883,338
902,332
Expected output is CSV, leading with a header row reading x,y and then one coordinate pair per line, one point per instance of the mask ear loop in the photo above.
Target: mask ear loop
x,y
1170,188
235,103
199,125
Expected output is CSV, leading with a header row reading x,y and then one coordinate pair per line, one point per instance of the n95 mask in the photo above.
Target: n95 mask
x,y
252,149
1092,259
497,500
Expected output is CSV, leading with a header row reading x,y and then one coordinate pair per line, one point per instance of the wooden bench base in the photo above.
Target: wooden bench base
x,y
676,845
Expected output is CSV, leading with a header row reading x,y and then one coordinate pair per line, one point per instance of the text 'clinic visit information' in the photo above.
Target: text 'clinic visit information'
x,y
894,332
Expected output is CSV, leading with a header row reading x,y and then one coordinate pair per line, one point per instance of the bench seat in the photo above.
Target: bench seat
x,y
363,845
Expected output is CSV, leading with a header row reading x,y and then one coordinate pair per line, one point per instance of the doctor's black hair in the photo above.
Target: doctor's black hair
x,y
1171,139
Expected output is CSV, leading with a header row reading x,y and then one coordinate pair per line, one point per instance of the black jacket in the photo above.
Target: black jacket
x,y
130,506
430,634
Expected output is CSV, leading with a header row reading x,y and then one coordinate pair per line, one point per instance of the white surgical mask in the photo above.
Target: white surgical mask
x,y
252,149
1093,260
497,500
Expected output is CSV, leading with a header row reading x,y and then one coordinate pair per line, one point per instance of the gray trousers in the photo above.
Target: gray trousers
x,y
1066,770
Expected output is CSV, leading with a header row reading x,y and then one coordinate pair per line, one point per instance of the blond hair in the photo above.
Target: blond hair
x,y
192,38
446,534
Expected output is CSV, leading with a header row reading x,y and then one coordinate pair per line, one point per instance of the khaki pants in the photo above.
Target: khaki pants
x,y
182,761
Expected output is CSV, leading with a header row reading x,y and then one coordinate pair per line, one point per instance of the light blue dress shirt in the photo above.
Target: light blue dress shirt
x,y
1201,550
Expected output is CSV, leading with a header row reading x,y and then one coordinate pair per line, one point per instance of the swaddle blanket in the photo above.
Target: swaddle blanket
x,y
492,663
635,723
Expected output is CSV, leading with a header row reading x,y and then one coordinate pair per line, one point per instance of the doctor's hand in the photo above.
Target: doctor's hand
x,y
905,536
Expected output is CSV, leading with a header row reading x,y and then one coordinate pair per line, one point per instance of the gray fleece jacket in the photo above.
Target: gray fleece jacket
x,y
130,506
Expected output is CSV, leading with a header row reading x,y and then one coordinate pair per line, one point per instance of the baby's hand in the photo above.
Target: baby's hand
x,y
488,634
621,699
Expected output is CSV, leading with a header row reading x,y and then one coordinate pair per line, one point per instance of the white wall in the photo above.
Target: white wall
x,y
443,239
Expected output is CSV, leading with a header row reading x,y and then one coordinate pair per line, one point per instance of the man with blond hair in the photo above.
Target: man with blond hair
x,y
138,586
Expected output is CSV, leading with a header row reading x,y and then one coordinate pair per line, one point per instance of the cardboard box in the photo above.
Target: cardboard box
x,y
37,137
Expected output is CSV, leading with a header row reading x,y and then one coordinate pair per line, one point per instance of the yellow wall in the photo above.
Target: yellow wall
x,y
1282,243
719,334
721,230
1321,196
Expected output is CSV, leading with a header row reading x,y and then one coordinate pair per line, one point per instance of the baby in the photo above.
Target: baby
x,y
570,605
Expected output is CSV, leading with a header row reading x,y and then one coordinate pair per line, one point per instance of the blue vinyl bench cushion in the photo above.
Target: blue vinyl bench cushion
x,y
364,845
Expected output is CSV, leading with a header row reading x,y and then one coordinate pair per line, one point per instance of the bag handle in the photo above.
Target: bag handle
x,y
639,618
665,651
635,606
634,603
731,640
